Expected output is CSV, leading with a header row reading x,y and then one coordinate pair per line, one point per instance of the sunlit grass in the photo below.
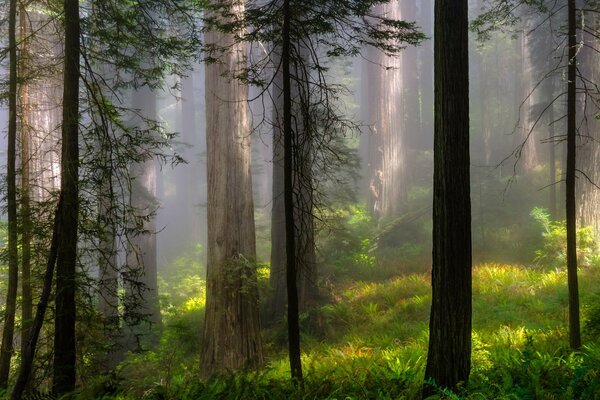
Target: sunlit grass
x,y
371,341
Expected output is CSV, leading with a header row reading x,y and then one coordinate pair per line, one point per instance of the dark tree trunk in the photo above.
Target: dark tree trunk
x,y
449,354
231,334
26,231
36,326
574,324
11,196
307,288
64,335
288,189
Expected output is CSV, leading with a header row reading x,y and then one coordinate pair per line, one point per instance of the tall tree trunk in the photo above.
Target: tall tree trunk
x,y
387,150
141,257
449,354
26,231
288,192
231,335
64,335
11,195
303,208
574,323
36,326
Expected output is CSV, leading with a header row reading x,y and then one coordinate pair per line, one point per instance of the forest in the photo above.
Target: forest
x,y
299,199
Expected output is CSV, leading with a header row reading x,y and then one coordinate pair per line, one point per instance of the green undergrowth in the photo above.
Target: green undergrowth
x,y
370,342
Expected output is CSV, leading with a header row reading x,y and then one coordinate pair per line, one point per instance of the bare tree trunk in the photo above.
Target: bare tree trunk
x,y
11,195
26,291
526,137
387,181
36,326
449,355
231,335
64,335
574,323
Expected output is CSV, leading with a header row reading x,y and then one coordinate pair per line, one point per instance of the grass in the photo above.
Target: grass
x,y
371,343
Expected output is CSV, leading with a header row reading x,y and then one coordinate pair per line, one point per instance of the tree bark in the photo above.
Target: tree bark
x,y
449,354
574,323
13,259
64,335
231,334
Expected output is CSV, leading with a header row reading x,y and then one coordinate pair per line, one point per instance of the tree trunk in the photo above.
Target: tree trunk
x,y
143,306
306,273
231,333
449,355
288,192
26,235
387,175
64,335
36,326
11,196
574,323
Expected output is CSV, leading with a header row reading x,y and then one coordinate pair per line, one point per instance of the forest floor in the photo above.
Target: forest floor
x,y
370,342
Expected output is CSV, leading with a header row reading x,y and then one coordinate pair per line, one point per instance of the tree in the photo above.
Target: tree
x,y
13,258
231,335
574,321
66,276
449,353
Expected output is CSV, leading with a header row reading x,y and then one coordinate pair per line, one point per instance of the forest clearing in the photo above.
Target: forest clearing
x,y
299,199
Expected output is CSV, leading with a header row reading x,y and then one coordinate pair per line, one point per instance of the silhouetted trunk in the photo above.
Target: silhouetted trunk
x,y
574,324
303,208
26,231
11,199
449,354
288,192
64,335
36,326
231,334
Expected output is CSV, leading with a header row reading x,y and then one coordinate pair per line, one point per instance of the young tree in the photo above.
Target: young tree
x,y
66,275
11,195
449,353
231,335
574,321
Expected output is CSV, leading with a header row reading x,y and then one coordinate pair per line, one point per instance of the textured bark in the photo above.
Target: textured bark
x,y
64,335
25,132
8,331
231,333
449,354
574,322
387,173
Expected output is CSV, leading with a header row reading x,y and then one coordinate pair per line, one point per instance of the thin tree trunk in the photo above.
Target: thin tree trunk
x,y
449,355
31,344
574,323
231,334
13,258
26,291
288,186
64,334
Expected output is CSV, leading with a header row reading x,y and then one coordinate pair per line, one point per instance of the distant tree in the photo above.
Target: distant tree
x,y
449,353
11,195
231,334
